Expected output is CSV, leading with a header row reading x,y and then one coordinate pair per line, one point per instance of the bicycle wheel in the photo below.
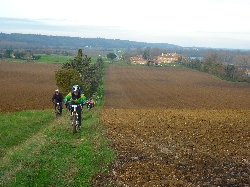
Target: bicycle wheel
x,y
57,111
74,123
57,114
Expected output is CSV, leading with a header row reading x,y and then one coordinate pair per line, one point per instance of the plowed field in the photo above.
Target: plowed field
x,y
26,86
169,126
176,127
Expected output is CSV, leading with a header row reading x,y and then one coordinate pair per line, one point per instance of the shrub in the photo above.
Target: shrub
x,y
66,78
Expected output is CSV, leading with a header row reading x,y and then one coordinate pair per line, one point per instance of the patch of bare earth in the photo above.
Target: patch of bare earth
x,y
176,127
26,86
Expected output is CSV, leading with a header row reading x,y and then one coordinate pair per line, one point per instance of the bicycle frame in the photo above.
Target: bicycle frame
x,y
57,111
74,119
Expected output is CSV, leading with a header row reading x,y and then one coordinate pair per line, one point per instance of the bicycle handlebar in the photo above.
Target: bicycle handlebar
x,y
80,104
75,105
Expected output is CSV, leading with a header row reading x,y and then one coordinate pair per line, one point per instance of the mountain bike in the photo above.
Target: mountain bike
x,y
89,105
74,118
57,109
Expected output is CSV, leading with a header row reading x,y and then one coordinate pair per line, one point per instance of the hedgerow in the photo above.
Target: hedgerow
x,y
80,71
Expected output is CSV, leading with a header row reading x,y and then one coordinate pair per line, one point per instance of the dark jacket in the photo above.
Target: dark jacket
x,y
57,98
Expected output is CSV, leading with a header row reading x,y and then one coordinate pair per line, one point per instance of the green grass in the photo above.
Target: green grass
x,y
54,58
36,149
19,126
39,150
45,59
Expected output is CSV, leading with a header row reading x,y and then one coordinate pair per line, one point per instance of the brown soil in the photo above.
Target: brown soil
x,y
176,127
26,86
169,126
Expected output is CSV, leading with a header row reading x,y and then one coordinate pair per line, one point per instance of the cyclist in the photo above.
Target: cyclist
x,y
57,98
76,97
89,104
92,102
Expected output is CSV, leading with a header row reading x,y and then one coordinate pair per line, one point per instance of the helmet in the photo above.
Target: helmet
x,y
76,88
56,90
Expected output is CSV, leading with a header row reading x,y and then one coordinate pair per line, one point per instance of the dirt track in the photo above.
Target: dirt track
x,y
177,127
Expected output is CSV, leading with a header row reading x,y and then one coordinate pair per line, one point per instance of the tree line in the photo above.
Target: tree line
x,y
228,65
24,55
213,65
38,41
226,56
80,71
32,54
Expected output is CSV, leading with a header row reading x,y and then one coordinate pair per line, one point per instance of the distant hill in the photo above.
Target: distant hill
x,y
24,41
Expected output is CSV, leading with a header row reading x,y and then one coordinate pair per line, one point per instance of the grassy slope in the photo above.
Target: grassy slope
x,y
39,150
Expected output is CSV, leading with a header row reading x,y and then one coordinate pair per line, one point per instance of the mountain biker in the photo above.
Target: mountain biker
x,y
89,104
92,102
58,98
76,97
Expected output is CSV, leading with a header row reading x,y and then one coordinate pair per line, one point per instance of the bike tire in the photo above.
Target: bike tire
x,y
74,124
57,112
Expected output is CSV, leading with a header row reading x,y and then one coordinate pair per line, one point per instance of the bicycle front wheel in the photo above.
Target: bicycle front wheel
x,y
74,124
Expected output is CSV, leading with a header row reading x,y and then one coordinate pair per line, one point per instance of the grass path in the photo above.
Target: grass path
x,y
53,156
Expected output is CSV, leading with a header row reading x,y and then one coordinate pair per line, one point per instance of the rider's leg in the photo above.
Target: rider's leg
x,y
60,110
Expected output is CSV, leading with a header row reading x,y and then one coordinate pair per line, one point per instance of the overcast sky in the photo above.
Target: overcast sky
x,y
199,23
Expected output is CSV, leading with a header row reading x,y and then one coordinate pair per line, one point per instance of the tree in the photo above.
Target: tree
x,y
127,56
19,55
230,71
138,51
194,64
242,60
100,63
209,62
155,52
7,53
111,56
36,57
80,71
146,53
66,78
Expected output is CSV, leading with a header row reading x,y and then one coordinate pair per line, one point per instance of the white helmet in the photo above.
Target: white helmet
x,y
56,90
76,88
